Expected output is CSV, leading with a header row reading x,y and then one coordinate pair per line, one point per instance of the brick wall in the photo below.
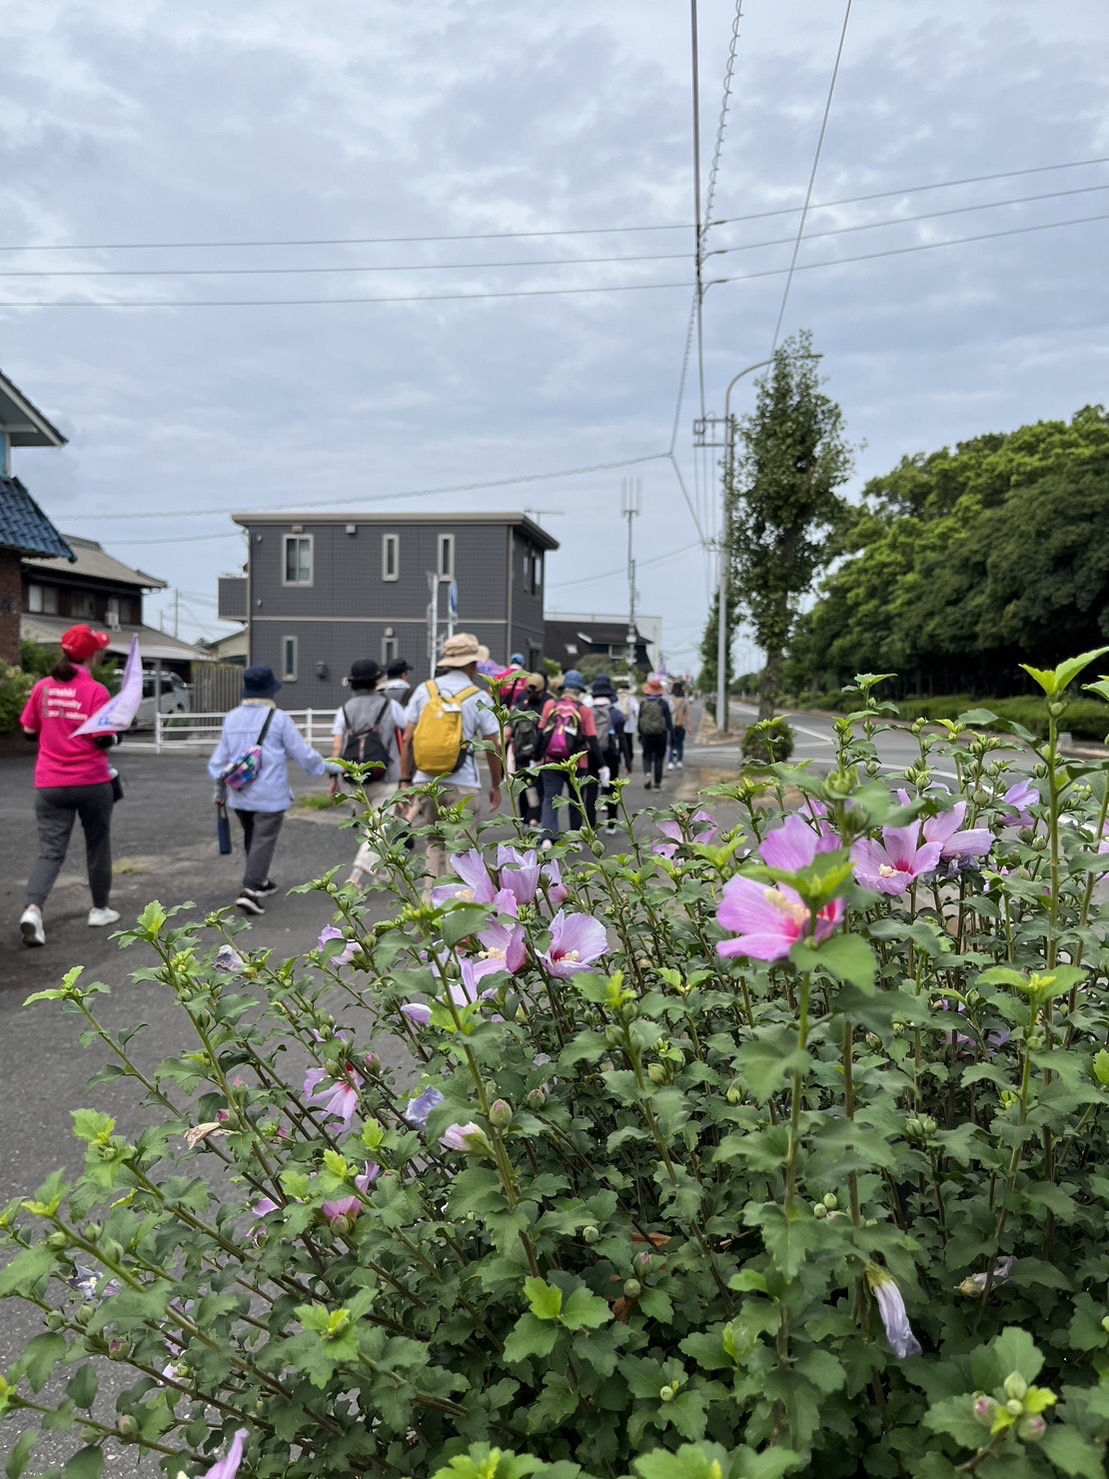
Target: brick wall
x,y
11,601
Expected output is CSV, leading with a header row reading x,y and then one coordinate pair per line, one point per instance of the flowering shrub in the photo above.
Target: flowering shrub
x,y
767,741
775,1143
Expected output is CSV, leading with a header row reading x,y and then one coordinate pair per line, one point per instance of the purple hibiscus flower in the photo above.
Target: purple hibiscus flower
x,y
228,1466
974,842
894,864
1018,798
336,1094
417,1012
557,892
895,1317
477,887
518,872
349,1207
702,830
344,956
577,940
418,1109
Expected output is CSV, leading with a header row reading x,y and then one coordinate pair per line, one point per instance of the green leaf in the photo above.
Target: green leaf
x,y
20,1455
767,1061
1015,1350
86,1463
977,716
847,957
530,1337
40,1356
788,1240
83,1386
584,1310
1072,1453
463,920
544,1299
687,1463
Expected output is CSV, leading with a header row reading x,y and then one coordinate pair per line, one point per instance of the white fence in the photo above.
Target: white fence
x,y
186,733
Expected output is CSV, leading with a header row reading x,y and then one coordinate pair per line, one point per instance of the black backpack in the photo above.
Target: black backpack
x,y
364,745
526,735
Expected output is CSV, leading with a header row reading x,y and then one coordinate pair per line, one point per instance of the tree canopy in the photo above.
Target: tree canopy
x,y
959,564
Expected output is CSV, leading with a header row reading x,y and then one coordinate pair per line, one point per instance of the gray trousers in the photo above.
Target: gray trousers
x,y
260,832
56,809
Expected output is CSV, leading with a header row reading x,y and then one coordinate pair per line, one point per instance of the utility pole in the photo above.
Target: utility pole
x,y
432,621
176,612
630,491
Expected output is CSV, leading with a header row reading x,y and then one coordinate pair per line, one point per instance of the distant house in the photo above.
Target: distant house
x,y
24,528
95,587
321,590
573,635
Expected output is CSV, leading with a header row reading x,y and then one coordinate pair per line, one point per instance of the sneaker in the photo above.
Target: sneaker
x,y
30,926
670,766
98,918
647,785
610,828
357,879
269,887
546,845
249,902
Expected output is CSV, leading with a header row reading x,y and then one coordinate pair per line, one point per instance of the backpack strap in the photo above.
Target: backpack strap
x,y
265,728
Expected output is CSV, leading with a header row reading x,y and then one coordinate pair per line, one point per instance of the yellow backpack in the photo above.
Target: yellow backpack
x,y
438,743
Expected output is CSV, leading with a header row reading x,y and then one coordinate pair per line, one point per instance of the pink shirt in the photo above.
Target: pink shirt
x,y
54,710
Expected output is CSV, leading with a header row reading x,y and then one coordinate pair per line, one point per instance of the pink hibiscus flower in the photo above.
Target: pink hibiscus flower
x,y
477,887
577,940
702,830
228,1466
349,1207
518,872
975,842
892,865
1019,797
336,1096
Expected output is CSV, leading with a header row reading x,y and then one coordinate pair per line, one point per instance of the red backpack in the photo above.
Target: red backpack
x,y
562,736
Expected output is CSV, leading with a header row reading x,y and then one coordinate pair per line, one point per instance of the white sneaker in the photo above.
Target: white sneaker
x,y
670,766
98,918
30,926
610,829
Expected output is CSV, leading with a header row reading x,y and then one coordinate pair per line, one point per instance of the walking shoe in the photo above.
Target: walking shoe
x,y
269,887
249,902
98,918
546,845
30,926
647,785
670,766
611,828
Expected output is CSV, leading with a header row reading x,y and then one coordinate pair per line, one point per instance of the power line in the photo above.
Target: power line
x,y
416,267
608,574
551,292
531,477
812,180
137,246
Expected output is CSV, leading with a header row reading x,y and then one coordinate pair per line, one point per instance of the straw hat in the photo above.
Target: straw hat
x,y
460,651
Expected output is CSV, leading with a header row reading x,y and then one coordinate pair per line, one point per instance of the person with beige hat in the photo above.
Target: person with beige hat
x,y
453,689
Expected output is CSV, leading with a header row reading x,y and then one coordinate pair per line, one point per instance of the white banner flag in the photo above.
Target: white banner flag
x,y
122,707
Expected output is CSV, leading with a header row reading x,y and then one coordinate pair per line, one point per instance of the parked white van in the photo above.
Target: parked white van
x,y
174,698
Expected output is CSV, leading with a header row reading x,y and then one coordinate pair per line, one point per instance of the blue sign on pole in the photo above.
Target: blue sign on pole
x,y
452,599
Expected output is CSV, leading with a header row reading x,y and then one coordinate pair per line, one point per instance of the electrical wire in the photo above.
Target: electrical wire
x,y
531,477
622,569
812,180
927,246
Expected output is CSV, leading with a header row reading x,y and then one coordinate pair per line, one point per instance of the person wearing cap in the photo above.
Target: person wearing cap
x,y
555,781
656,731
522,741
371,705
396,681
608,720
72,779
456,671
261,805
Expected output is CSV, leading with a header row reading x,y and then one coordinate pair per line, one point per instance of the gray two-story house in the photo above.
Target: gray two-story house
x,y
320,590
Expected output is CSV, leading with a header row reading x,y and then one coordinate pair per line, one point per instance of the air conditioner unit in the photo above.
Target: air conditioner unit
x,y
113,623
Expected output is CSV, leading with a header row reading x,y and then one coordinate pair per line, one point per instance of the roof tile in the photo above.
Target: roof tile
x,y
24,526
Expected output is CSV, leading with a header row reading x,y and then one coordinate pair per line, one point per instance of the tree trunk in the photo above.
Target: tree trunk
x,y
770,683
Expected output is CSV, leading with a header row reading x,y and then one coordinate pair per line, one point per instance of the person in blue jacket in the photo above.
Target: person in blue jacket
x,y
261,805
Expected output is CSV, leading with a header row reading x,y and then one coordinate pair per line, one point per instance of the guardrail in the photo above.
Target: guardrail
x,y
187,732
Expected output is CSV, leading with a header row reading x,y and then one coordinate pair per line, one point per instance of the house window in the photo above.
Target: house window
x,y
289,659
298,559
536,582
82,603
389,650
43,598
446,556
390,557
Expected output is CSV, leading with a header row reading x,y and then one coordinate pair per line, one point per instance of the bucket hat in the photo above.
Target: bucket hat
x,y
459,651
574,679
653,688
260,682
364,671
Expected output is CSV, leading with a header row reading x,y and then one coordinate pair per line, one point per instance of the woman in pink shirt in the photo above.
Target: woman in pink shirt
x,y
72,779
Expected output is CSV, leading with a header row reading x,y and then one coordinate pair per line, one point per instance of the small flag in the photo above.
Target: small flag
x,y
122,707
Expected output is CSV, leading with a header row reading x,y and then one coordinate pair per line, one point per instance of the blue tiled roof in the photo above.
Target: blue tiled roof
x,y
24,526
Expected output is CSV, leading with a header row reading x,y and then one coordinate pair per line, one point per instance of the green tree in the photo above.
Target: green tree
x,y
782,503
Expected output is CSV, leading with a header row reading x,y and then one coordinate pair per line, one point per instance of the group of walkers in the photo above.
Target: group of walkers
x,y
404,737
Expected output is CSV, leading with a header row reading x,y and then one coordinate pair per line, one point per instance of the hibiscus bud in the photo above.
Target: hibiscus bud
x,y
629,1011
590,1234
500,1114
126,1426
643,963
538,1097
117,1349
613,1034
831,1201
1016,1386
1056,709
644,1261
112,1250
733,1095
57,1240
632,1288
1031,1429
340,1225
1105,1324
521,1015
657,1073
1014,1407
93,1231
985,1410
55,1320
666,1394
820,1211
85,1314
1039,842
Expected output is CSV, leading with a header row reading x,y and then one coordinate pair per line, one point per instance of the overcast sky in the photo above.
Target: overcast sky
x,y
196,122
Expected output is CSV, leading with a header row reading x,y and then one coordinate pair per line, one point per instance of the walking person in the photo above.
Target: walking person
x,y
629,707
656,729
72,779
523,743
446,717
258,725
569,730
397,684
680,715
608,720
367,731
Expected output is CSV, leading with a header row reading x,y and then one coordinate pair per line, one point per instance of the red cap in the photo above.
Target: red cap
x,y
82,642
